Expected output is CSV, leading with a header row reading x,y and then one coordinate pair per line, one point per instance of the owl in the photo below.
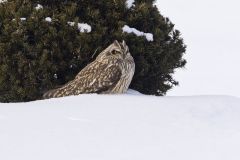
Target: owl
x,y
110,73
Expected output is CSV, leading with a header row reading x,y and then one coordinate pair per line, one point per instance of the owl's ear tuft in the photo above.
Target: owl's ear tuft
x,y
116,42
124,43
125,47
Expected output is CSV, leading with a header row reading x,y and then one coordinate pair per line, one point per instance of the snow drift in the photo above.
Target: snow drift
x,y
122,127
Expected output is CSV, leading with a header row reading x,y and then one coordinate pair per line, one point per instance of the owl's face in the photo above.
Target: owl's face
x,y
115,50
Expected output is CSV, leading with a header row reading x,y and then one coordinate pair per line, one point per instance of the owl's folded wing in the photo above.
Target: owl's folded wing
x,y
95,78
99,79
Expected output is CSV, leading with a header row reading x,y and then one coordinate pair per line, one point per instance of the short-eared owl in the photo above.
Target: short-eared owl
x,y
110,73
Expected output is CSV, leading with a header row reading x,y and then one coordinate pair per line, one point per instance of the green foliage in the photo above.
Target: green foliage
x,y
36,55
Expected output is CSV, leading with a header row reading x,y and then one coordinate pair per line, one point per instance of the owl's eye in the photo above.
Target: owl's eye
x,y
115,52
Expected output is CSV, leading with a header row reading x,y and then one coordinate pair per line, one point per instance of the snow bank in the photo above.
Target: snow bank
x,y
133,126
127,29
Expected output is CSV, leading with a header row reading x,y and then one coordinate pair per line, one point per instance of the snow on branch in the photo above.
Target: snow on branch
x,y
130,3
48,19
71,23
82,27
2,1
127,29
39,6
23,19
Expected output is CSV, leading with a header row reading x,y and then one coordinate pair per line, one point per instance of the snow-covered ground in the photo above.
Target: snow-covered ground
x,y
122,127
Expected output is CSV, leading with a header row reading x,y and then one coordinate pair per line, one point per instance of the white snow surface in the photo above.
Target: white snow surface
x,y
121,127
127,29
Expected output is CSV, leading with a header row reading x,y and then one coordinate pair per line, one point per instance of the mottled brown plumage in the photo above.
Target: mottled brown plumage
x,y
110,73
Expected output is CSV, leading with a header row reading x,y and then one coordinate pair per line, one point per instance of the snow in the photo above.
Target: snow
x,y
121,127
48,19
138,127
23,19
2,1
127,29
130,3
55,76
71,24
149,36
212,38
84,27
39,6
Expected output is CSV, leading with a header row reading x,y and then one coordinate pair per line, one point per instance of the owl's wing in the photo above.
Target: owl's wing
x,y
97,77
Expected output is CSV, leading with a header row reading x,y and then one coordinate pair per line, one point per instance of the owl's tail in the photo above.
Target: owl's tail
x,y
65,90
51,94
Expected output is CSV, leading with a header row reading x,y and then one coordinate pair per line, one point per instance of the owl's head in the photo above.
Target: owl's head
x,y
115,50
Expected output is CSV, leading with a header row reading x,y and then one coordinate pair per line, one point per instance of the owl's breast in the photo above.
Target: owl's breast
x,y
128,68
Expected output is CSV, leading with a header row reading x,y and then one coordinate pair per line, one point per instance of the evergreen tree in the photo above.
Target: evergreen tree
x,y
38,54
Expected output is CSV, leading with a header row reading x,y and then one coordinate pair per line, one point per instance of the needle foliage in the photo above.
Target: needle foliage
x,y
37,55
